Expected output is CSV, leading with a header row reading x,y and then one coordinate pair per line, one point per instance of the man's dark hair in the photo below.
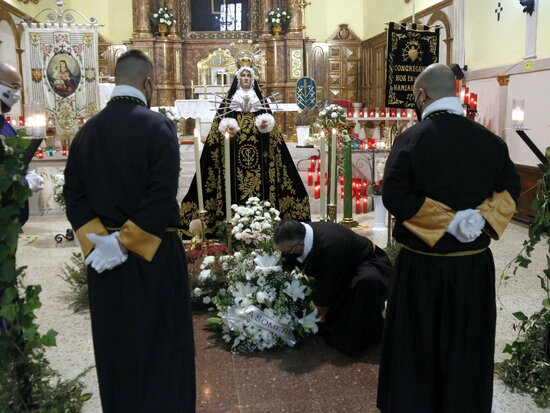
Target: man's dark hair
x,y
289,230
133,63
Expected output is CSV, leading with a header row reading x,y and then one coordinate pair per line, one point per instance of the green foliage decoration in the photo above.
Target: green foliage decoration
x,y
27,382
528,369
76,275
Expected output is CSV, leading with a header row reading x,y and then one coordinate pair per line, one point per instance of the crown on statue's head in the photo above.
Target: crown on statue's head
x,y
246,54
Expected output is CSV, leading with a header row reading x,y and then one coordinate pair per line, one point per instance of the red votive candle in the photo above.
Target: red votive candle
x,y
21,121
361,113
403,113
341,192
40,155
317,192
64,151
365,205
393,113
382,113
310,178
358,207
371,112
350,113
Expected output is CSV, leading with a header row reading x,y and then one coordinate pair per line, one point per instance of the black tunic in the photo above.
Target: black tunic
x,y
261,166
438,346
351,276
122,172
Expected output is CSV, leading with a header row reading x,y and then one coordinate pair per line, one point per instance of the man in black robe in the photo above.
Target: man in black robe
x,y
452,187
120,190
351,277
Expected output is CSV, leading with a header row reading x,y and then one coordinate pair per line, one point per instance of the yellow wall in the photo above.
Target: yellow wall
x,y
116,15
490,42
378,12
543,29
324,16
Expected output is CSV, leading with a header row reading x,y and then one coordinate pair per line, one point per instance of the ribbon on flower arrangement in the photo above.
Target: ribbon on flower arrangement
x,y
261,320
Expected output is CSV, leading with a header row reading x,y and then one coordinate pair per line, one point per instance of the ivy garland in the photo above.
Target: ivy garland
x,y
27,382
528,369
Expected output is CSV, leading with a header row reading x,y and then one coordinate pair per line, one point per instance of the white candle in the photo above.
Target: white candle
x,y
227,166
323,194
333,178
198,169
518,116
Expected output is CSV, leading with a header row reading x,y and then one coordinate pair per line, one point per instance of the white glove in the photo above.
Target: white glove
x,y
35,181
106,254
466,226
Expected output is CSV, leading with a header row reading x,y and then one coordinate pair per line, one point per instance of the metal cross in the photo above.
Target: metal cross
x,y
498,10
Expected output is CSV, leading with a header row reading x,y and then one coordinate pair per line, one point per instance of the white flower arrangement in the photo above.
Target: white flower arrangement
x,y
332,116
229,125
58,182
263,306
270,122
253,223
278,17
164,15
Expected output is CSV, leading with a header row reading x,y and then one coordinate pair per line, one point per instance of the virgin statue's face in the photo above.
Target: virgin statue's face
x,y
246,79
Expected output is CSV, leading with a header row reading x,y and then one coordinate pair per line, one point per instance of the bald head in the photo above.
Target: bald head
x,y
132,68
437,80
10,84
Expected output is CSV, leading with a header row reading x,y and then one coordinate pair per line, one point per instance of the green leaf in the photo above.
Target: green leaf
x,y
508,349
546,302
9,312
520,316
48,339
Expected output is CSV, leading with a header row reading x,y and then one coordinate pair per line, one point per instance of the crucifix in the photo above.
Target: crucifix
x,y
498,10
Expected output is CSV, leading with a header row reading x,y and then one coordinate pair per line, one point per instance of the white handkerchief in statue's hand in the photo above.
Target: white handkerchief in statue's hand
x,y
466,226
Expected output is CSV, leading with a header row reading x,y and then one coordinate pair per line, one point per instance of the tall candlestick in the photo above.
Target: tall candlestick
x,y
333,180
198,169
323,200
227,166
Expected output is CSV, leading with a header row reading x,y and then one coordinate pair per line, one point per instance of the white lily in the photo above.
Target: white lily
x,y
309,322
295,290
267,263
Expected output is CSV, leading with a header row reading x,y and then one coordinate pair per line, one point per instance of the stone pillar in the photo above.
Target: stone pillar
x,y
265,7
502,102
174,29
142,24
297,21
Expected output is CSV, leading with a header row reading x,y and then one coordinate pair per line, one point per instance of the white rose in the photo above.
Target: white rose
x,y
322,113
197,292
334,115
284,13
162,20
155,15
206,300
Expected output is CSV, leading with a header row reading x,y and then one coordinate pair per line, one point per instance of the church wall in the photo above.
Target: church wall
x,y
543,29
115,15
376,13
324,17
490,42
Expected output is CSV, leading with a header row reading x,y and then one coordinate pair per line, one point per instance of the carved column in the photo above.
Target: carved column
x,y
174,29
297,21
265,7
502,101
142,24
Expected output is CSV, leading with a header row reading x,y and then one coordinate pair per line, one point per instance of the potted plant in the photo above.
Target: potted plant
x,y
278,19
163,18
303,121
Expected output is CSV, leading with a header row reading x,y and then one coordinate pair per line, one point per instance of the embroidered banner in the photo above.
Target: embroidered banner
x,y
60,71
411,48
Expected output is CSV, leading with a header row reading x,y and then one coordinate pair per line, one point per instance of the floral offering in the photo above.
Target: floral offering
x,y
278,17
164,15
332,116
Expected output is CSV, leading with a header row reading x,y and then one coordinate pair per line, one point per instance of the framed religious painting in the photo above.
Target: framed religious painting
x,y
63,74
219,19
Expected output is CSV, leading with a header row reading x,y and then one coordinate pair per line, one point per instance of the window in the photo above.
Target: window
x,y
231,17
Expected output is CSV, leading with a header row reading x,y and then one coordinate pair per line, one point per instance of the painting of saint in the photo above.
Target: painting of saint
x,y
63,74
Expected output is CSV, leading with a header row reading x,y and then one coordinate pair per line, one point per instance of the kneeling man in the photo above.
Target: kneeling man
x,y
351,277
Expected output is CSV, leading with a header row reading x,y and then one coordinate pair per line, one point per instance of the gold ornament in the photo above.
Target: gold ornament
x,y
246,54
